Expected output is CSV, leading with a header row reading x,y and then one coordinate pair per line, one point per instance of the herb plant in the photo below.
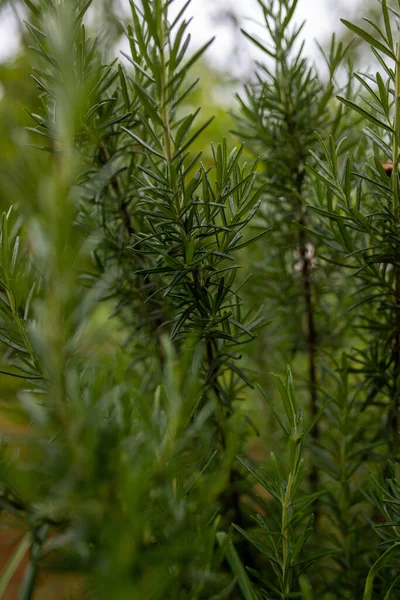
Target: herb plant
x,y
148,284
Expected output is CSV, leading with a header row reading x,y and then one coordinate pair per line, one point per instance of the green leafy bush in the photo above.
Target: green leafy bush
x,y
146,287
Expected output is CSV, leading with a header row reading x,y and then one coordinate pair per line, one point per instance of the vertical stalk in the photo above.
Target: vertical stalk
x,y
394,414
39,536
311,339
345,518
395,424
115,186
311,330
165,108
13,564
287,502
298,177
169,152
396,134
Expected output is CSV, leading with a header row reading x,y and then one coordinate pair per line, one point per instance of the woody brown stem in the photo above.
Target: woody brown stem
x,y
311,336
394,414
311,330
105,157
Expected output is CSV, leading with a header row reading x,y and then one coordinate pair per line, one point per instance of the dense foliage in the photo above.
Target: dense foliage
x,y
149,285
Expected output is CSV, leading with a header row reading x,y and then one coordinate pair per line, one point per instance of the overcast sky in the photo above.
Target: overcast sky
x,y
321,16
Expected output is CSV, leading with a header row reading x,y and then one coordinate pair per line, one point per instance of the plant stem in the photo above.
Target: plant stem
x,y
14,563
115,185
396,134
394,414
298,180
311,332
311,338
285,531
39,536
165,109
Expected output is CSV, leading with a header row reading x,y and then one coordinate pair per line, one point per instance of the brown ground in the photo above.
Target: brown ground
x,y
50,586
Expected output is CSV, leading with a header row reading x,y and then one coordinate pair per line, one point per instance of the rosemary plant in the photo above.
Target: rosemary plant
x,y
360,210
121,219
362,205
280,112
285,518
130,350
